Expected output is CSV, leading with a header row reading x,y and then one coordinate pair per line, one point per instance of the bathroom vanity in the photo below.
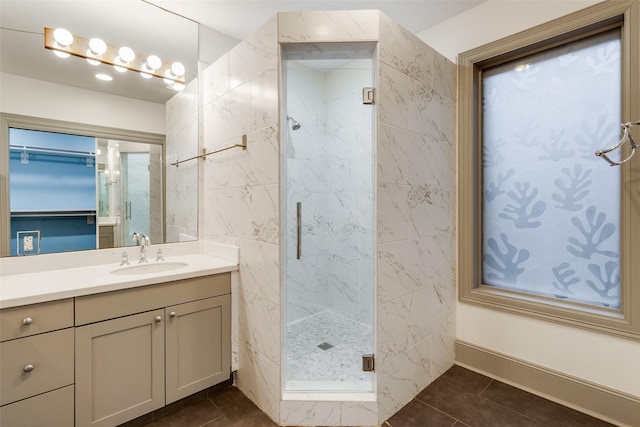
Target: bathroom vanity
x,y
104,358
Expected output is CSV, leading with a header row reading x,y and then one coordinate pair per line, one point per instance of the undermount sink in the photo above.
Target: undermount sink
x,y
157,267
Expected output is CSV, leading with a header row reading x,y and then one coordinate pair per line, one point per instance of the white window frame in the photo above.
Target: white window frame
x,y
625,321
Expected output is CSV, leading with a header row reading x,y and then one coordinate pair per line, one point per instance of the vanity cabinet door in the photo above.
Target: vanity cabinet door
x,y
119,369
198,347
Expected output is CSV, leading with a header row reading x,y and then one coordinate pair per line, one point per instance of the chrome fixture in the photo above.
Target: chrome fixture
x,y
295,125
125,258
626,137
136,238
159,257
144,242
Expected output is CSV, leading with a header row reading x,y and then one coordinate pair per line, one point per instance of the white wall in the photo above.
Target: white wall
x,y
595,357
37,98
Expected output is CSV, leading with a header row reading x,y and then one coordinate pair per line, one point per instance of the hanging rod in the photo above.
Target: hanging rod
x,y
626,137
203,155
57,151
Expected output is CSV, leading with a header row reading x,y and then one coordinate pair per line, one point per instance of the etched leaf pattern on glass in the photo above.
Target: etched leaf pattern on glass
x,y
551,208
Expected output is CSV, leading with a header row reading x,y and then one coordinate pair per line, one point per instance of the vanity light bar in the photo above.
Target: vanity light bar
x,y
82,48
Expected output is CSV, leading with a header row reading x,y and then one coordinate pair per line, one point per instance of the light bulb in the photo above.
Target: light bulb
x,y
61,54
177,69
63,37
120,67
97,46
126,54
145,75
90,54
154,62
176,86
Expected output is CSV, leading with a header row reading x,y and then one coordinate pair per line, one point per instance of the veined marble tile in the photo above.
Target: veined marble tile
x,y
310,413
328,26
215,80
359,413
403,377
443,341
394,97
406,157
258,164
405,321
407,266
183,177
431,211
216,169
228,117
183,104
182,139
259,324
265,208
228,212
402,50
255,54
430,113
259,380
264,99
260,269
444,76
181,207
393,212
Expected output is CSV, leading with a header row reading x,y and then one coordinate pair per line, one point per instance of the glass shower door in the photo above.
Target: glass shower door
x,y
329,242
135,190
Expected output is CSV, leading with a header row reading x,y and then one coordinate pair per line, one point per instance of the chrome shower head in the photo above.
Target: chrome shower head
x,y
295,125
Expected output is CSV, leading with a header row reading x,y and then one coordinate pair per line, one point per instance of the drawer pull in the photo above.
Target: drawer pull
x,y
28,368
172,314
27,321
158,318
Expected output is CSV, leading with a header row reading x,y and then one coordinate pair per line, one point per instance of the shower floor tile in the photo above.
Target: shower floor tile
x,y
313,366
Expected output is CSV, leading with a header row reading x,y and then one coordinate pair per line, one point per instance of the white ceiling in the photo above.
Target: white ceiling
x,y
168,28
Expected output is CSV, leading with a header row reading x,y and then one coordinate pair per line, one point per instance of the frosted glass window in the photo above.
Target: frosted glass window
x,y
551,208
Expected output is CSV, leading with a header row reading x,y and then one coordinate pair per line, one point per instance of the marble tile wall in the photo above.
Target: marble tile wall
x,y
240,195
415,203
181,190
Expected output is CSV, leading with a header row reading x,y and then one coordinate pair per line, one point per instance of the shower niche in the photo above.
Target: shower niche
x,y
328,217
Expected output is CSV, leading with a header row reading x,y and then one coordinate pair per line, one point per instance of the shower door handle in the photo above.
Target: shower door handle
x,y
298,230
127,208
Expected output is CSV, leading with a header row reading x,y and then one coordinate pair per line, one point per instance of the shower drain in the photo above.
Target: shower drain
x,y
325,346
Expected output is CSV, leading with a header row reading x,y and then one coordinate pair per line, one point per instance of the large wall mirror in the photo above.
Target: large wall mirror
x,y
71,185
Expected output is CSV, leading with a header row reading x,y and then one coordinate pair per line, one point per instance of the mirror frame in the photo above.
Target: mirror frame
x,y
36,123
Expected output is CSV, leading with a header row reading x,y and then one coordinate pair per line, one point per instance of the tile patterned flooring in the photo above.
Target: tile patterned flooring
x,y
311,368
459,398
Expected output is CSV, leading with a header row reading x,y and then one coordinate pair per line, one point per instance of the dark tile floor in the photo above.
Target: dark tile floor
x,y
458,398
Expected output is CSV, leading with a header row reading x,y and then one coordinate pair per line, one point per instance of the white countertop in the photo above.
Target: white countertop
x,y
48,284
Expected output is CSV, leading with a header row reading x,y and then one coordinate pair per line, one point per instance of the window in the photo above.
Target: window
x,y
544,224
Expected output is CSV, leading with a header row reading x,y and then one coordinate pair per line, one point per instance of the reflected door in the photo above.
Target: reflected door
x,y
135,190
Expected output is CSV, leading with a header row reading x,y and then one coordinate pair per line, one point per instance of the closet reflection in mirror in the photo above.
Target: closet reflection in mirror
x,y
72,192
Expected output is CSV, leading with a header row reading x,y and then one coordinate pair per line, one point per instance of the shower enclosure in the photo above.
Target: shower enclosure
x,y
328,220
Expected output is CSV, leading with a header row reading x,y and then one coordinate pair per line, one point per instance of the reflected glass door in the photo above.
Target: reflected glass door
x,y
135,189
328,225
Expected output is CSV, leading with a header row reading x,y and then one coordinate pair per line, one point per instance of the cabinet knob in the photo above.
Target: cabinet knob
x,y
28,368
158,318
27,321
172,314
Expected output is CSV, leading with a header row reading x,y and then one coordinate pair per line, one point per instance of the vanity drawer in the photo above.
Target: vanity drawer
x,y
35,365
18,322
109,305
49,409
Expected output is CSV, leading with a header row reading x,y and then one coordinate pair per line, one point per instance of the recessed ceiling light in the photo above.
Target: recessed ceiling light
x,y
105,77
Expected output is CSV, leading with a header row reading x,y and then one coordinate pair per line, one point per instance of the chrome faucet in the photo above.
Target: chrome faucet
x,y
159,257
144,242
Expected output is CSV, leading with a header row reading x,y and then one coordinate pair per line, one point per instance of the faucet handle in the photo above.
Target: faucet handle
x,y
159,257
136,238
146,240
